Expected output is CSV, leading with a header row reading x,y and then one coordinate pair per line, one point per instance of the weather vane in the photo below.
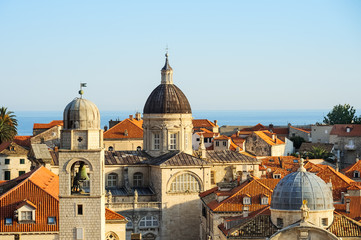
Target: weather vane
x,y
166,51
81,92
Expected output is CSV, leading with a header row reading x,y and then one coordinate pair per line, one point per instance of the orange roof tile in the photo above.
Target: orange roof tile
x,y
111,215
300,129
267,136
48,125
348,171
340,130
128,128
202,123
22,140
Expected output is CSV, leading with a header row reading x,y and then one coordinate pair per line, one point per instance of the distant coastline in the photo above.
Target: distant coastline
x,y
26,119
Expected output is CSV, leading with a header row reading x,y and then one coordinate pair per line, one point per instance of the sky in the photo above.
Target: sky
x,y
226,55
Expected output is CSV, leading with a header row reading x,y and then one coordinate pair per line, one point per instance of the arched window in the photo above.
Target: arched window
x,y
138,179
110,148
149,236
111,236
129,223
148,222
112,180
185,182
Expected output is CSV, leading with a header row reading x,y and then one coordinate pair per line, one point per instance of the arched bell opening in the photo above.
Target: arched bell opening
x,y
80,178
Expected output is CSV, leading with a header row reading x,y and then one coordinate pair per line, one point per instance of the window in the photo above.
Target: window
x,y
246,200
138,179
51,220
204,212
7,161
156,141
8,221
356,174
139,148
276,176
224,143
324,221
173,141
197,139
112,180
111,236
21,173
213,181
80,209
264,200
26,215
185,183
22,161
110,148
148,222
205,140
79,234
280,222
217,143
7,175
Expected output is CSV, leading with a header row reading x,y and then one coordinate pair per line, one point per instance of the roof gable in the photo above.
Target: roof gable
x,y
128,128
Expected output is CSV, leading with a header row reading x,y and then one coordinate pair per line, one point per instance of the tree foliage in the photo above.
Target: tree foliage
x,y
8,125
341,114
318,153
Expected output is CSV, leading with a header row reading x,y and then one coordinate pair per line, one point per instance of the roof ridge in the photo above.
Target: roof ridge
x,y
263,185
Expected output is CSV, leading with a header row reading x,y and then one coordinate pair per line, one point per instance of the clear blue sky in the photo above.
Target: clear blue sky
x,y
225,54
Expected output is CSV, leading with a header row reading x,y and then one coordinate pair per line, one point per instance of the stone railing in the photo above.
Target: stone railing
x,y
123,206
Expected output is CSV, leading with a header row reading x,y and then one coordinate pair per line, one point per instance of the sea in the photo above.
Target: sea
x,y
26,119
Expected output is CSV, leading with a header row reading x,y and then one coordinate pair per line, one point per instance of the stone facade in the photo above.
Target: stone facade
x,y
13,162
320,133
159,130
51,137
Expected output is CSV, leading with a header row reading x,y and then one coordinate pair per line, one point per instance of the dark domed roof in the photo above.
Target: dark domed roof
x,y
167,98
298,186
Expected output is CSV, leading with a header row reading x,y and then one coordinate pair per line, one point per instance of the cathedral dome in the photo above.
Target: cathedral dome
x,y
81,114
167,97
302,185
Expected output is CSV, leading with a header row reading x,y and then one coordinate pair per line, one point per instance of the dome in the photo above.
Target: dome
x,y
81,114
298,186
167,98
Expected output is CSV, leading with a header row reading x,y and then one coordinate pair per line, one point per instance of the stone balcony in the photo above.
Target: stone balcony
x,y
138,206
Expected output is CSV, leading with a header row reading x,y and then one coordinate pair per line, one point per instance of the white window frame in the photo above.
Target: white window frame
x,y
185,182
356,174
156,141
112,180
148,222
137,179
173,141
246,200
264,200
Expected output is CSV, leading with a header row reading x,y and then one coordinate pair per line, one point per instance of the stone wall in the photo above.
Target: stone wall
x,y
123,144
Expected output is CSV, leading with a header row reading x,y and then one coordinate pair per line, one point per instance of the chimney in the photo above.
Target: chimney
x,y
105,128
238,180
216,122
56,149
348,201
270,127
237,133
131,117
202,148
138,116
126,131
245,211
274,137
282,163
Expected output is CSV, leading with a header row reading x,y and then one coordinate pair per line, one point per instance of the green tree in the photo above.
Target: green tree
x,y
318,153
8,125
341,114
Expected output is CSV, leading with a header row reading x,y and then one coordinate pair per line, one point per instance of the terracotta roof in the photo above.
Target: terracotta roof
x,y
202,123
48,125
340,130
256,188
343,226
12,148
267,136
256,127
228,156
222,137
111,215
23,141
39,188
355,207
280,131
300,129
280,165
128,128
350,169
340,182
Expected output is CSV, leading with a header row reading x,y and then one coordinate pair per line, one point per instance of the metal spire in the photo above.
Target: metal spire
x,y
81,92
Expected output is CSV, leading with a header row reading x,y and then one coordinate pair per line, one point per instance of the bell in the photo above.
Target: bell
x,y
82,175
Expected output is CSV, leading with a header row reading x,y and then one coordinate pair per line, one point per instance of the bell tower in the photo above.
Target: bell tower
x,y
81,173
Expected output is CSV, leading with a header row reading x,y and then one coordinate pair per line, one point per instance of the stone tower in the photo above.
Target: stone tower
x,y
81,173
167,118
